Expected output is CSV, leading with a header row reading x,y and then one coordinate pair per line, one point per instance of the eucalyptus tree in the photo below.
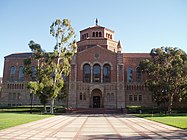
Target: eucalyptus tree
x,y
167,75
52,67
64,50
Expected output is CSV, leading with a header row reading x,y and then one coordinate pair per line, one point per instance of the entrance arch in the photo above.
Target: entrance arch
x,y
96,98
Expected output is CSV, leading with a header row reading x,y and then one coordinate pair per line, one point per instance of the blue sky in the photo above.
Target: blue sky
x,y
140,24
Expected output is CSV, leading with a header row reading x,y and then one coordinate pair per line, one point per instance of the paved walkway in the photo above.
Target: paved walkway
x,y
92,126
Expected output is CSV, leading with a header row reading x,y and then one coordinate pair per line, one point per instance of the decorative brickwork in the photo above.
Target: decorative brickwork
x,y
101,75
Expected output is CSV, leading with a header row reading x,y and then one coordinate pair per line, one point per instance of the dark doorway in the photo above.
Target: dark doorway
x,y
96,101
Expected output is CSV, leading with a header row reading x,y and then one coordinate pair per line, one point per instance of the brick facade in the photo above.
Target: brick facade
x,y
101,75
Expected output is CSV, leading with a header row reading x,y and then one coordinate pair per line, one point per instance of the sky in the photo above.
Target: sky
x,y
140,24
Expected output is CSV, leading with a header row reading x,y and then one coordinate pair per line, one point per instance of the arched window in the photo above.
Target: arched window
x,y
86,73
93,34
21,74
138,74
106,73
96,73
129,75
96,34
12,73
99,34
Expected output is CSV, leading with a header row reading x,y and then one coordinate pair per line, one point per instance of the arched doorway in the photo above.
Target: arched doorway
x,y
96,98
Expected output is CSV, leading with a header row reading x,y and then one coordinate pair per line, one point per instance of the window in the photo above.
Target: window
x,y
93,34
135,97
21,74
108,96
99,34
14,96
130,97
112,97
106,73
84,96
12,73
10,96
96,73
96,34
86,73
138,74
18,96
110,36
140,98
129,75
80,96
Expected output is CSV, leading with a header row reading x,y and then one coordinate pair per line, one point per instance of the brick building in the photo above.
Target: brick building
x,y
101,75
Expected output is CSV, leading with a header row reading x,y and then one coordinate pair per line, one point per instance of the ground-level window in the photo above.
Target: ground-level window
x,y
135,98
140,98
130,98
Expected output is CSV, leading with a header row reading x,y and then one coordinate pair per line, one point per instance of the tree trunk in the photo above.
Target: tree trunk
x,y
52,106
45,110
170,103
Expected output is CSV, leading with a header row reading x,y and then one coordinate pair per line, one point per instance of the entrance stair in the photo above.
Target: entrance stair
x,y
96,111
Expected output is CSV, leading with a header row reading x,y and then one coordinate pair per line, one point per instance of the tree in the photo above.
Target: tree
x,y
52,67
63,51
36,74
167,75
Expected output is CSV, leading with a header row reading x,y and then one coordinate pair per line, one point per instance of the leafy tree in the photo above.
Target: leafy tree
x,y
36,85
167,75
52,67
63,52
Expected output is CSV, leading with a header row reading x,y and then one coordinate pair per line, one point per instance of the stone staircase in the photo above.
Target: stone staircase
x,y
96,111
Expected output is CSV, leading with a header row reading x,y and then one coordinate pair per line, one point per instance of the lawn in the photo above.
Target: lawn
x,y
177,120
13,119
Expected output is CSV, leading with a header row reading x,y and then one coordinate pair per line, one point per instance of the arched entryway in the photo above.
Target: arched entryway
x,y
96,98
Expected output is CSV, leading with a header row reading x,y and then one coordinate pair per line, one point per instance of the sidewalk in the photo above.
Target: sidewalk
x,y
92,126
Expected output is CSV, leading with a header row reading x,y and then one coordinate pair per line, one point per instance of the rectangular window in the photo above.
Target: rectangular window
x,y
130,98
14,96
135,98
140,98
80,96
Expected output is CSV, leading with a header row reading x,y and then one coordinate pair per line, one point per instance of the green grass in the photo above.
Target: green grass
x,y
13,119
177,120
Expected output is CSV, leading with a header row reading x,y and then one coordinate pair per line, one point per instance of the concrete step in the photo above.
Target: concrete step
x,y
96,111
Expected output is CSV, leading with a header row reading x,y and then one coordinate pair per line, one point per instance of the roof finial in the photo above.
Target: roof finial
x,y
96,21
